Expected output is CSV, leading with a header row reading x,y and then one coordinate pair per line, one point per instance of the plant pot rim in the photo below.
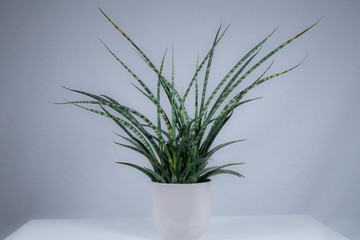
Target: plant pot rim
x,y
181,184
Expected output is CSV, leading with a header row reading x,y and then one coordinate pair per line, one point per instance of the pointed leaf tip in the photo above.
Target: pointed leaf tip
x,y
272,33
298,35
117,28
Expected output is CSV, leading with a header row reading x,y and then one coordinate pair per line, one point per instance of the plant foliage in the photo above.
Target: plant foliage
x,y
180,150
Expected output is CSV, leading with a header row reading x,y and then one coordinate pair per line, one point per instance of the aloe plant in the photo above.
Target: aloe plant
x,y
179,146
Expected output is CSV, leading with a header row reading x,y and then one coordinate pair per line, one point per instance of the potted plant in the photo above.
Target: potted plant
x,y
179,146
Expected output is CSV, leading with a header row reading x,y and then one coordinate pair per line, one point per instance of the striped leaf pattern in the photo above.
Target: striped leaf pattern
x,y
181,151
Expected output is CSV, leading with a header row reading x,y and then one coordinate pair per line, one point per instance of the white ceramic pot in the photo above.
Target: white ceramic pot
x,y
181,211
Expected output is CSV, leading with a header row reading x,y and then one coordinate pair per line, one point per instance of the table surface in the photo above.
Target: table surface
x,y
279,227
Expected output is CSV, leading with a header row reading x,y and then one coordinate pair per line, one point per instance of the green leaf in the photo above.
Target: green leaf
x,y
173,93
215,149
202,64
192,167
151,65
196,91
196,175
164,82
219,123
158,93
155,177
220,170
208,70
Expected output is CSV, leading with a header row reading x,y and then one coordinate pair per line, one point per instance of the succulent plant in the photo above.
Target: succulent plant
x,y
179,146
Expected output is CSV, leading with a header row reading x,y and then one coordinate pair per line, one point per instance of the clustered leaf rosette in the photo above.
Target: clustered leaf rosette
x,y
180,150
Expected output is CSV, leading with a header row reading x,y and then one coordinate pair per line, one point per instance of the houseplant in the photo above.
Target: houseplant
x,y
179,146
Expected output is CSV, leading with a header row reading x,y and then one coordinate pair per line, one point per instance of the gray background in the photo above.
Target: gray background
x,y
302,152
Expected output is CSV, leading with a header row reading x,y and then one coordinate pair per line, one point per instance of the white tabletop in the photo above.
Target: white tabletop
x,y
282,227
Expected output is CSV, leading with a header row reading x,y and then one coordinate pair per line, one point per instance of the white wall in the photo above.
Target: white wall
x,y
303,150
